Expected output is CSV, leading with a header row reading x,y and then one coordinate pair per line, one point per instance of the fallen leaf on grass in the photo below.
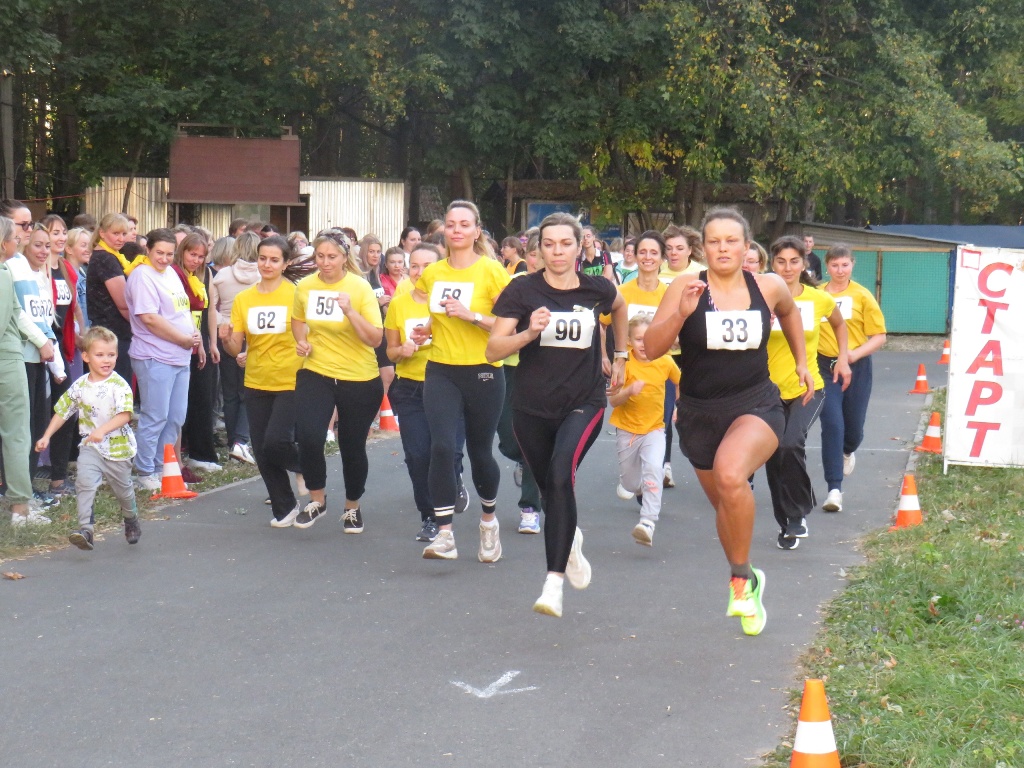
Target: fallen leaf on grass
x,y
12,575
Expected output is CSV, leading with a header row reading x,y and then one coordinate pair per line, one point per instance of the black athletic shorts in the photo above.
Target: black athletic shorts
x,y
382,354
702,424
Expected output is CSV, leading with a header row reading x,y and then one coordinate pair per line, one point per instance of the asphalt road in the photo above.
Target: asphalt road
x,y
219,641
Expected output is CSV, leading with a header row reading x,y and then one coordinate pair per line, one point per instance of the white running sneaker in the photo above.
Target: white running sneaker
x,y
32,518
148,483
550,600
529,521
442,547
834,501
849,462
623,494
203,466
287,520
490,542
241,452
643,533
578,570
668,482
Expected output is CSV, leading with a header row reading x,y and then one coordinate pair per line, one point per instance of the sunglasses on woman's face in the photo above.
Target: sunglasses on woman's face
x,y
26,225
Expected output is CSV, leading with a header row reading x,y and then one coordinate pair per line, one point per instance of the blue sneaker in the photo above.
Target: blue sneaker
x,y
529,521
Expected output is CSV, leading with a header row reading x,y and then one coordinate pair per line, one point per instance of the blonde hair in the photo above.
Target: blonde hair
x,y
107,223
190,241
481,246
223,252
74,235
640,318
94,334
340,241
245,247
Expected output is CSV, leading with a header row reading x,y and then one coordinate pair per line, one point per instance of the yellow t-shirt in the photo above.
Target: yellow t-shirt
x,y
266,321
668,275
404,314
337,350
638,300
863,318
815,307
455,341
644,413
404,286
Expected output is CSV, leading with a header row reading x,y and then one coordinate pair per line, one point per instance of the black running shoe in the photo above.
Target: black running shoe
x,y
797,528
352,521
428,532
310,513
462,504
132,530
787,542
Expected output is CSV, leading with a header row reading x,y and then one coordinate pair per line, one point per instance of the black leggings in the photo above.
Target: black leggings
x,y
271,418
476,392
67,436
316,397
554,449
39,410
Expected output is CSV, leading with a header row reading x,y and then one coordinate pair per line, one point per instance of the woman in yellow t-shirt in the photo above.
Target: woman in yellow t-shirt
x,y
844,412
684,252
261,319
788,481
337,326
459,382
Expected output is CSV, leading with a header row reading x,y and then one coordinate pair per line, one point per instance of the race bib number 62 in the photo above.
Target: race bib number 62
x,y
734,330
264,320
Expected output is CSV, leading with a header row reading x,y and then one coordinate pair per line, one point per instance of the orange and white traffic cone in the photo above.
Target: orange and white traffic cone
x,y
172,486
388,422
921,385
932,442
944,360
815,743
909,511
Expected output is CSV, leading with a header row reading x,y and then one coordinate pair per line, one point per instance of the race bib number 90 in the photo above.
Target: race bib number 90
x,y
323,306
412,324
734,330
845,304
571,330
264,320
443,290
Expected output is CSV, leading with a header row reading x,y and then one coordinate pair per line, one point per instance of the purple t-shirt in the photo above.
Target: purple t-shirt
x,y
160,293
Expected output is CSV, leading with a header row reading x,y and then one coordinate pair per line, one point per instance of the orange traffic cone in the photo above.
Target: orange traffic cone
x,y
388,422
921,385
172,486
932,442
944,360
815,743
909,511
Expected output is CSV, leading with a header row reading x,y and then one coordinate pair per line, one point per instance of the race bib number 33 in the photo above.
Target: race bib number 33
x,y
264,320
734,330
442,290
572,330
323,306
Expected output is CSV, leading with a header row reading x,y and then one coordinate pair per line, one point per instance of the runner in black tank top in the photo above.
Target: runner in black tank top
x,y
729,414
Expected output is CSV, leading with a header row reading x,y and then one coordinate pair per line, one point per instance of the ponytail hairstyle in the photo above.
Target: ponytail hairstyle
x,y
729,214
481,246
794,243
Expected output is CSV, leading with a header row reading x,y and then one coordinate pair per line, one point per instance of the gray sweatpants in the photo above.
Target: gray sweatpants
x,y
641,468
92,469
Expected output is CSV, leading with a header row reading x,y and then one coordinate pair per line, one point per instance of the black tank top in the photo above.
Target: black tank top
x,y
736,360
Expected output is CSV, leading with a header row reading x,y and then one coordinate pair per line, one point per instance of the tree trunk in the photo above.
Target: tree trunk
x,y
467,183
956,202
679,196
131,177
510,206
810,204
781,217
7,132
696,204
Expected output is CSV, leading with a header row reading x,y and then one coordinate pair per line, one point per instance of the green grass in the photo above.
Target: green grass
x,y
923,653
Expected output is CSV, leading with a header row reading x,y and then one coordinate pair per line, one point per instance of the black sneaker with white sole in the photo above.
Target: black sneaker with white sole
x,y
462,504
352,521
787,542
797,528
428,532
132,530
310,513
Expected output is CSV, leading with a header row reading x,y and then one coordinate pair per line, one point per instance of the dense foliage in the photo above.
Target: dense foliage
x,y
848,110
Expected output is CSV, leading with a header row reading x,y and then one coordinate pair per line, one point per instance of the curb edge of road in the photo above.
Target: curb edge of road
x,y
922,425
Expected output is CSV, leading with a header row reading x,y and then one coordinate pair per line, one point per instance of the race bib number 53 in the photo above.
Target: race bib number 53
x,y
264,320
572,330
442,290
734,330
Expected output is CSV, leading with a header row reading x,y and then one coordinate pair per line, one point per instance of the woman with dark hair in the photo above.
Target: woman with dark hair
x,y
197,431
551,318
729,415
593,259
392,273
627,269
788,481
459,379
512,255
408,240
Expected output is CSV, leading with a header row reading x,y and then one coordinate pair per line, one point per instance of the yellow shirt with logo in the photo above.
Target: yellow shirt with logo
x,y
337,350
266,321
404,314
863,318
815,307
645,412
455,341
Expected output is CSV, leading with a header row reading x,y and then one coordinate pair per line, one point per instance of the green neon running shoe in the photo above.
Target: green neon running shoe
x,y
740,602
754,621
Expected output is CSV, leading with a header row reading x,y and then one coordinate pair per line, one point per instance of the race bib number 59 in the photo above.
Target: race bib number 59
x,y
323,306
572,330
734,330
264,320
443,290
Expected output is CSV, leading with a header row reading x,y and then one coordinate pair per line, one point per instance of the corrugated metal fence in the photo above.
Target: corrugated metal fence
x,y
366,205
147,202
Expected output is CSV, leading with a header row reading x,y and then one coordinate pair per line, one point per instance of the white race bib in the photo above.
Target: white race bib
x,y
378,293
806,316
323,306
845,304
264,320
63,293
632,310
734,330
412,324
40,309
461,292
572,330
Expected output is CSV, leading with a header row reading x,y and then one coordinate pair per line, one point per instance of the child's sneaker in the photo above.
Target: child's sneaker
x,y
132,529
81,539
643,533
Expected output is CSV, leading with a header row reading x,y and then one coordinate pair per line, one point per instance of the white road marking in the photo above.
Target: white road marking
x,y
493,688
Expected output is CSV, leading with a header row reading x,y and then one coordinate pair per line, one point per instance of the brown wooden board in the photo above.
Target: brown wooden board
x,y
211,169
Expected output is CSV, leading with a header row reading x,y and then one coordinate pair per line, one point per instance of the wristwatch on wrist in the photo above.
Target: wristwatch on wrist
x,y
621,355
478,318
